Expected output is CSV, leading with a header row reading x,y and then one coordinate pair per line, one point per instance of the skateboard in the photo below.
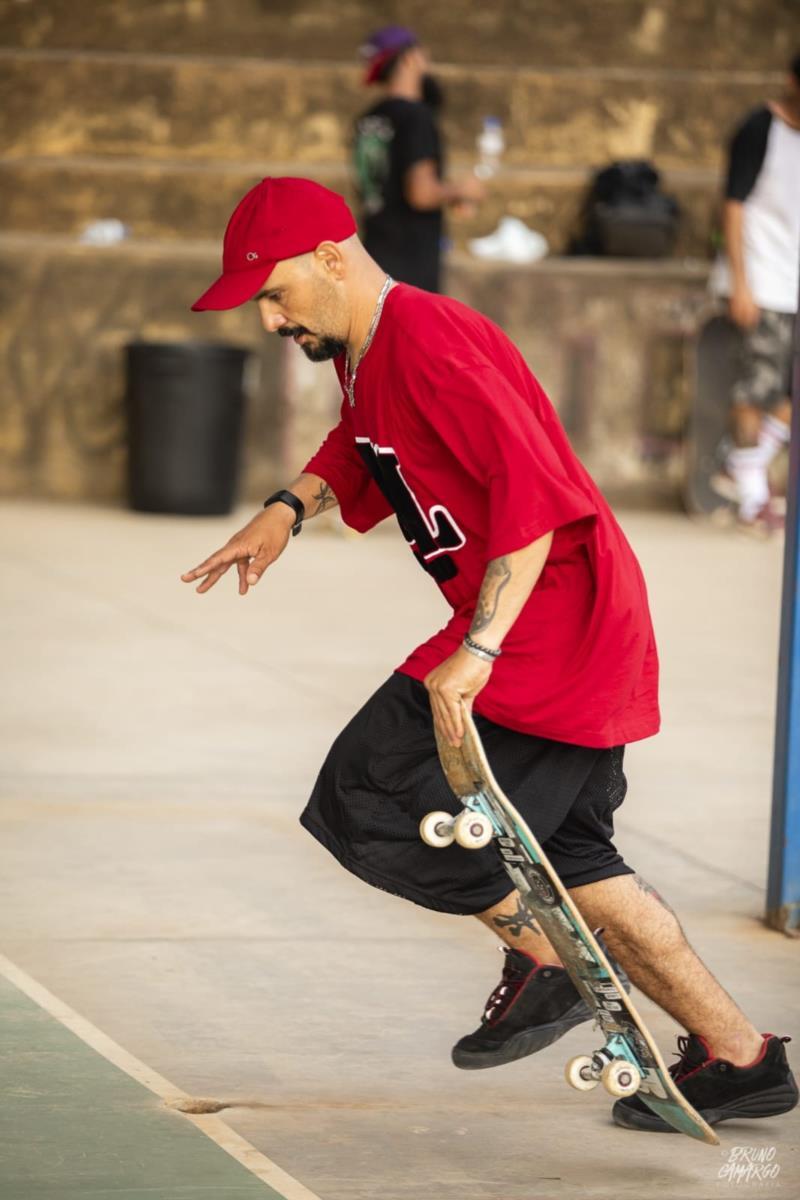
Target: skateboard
x,y
715,359
629,1061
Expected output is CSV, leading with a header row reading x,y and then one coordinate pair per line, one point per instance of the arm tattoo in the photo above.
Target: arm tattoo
x,y
497,576
520,920
649,890
325,498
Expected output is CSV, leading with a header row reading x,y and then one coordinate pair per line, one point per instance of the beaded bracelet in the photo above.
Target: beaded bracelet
x,y
480,651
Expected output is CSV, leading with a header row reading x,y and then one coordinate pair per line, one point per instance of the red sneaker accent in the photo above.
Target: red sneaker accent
x,y
760,1056
744,1066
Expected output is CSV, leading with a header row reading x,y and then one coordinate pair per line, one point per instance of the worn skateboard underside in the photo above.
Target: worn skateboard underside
x,y
471,779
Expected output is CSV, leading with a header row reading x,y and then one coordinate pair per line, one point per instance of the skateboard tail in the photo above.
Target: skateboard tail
x,y
679,1120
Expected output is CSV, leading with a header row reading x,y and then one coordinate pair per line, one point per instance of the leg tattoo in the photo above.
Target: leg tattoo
x,y
649,890
515,923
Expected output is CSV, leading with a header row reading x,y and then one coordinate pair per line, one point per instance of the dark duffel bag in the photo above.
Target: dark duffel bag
x,y
626,214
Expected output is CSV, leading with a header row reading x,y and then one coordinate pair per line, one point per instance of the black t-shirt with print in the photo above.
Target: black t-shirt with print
x,y
389,139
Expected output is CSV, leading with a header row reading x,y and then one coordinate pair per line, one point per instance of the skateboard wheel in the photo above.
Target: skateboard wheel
x,y
472,830
579,1073
436,829
621,1078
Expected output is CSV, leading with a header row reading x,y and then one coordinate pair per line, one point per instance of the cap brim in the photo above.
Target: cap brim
x,y
380,58
373,70
234,288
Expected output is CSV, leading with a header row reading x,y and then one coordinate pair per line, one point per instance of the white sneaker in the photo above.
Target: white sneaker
x,y
512,242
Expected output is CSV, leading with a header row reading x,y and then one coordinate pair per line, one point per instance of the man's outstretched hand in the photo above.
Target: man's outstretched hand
x,y
253,549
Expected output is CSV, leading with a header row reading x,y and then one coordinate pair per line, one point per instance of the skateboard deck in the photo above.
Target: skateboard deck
x,y
629,1061
714,368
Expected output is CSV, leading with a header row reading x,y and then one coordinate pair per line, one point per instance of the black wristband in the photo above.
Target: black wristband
x,y
294,502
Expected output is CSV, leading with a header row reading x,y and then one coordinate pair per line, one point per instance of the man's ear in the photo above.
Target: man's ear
x,y
329,256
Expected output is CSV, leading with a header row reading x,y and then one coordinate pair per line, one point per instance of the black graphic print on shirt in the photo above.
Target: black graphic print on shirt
x,y
430,534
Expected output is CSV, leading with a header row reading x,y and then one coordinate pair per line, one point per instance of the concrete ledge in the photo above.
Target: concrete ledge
x,y
178,199
610,341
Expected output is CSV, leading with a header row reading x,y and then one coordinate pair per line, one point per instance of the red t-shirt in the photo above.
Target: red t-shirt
x,y
452,432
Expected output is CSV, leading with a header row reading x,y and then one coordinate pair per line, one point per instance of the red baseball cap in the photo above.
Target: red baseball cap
x,y
277,219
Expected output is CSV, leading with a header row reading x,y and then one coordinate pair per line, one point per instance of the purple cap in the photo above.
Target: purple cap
x,y
383,45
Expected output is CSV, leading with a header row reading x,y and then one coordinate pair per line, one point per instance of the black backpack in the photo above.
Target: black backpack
x,y
626,215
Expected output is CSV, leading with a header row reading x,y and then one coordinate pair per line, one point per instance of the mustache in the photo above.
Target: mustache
x,y
322,348
292,330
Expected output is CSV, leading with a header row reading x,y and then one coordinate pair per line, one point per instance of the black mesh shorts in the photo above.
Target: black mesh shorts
x,y
382,775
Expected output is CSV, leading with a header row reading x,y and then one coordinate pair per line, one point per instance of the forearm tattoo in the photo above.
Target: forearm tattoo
x,y
520,920
649,890
497,576
325,499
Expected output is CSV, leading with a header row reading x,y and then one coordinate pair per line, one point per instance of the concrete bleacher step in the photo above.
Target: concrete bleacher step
x,y
167,199
638,33
158,107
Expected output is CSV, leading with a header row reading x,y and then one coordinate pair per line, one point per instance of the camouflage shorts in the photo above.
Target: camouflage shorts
x,y
765,365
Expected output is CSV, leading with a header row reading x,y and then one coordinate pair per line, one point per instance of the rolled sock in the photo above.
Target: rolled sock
x,y
774,434
748,469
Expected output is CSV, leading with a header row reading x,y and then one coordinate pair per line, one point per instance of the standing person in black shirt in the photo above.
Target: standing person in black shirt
x,y
399,162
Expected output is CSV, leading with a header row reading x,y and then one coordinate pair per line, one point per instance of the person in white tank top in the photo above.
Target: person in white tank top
x,y
758,276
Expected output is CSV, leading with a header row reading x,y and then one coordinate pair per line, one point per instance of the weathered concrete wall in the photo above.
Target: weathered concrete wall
x,y
608,343
168,145
644,33
68,314
276,112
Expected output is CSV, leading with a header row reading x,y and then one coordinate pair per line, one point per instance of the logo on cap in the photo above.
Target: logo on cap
x,y
251,254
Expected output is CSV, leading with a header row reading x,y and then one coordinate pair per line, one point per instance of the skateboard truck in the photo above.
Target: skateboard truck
x,y
608,1066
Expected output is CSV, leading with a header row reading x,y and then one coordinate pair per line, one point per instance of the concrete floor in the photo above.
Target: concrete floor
x,y
74,1126
158,747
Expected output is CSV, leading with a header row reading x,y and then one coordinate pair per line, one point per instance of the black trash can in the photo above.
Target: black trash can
x,y
185,403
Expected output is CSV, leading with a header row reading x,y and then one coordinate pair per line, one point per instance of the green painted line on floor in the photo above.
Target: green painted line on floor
x,y
81,1119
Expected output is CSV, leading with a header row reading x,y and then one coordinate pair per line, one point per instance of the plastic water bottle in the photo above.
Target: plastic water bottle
x,y
491,145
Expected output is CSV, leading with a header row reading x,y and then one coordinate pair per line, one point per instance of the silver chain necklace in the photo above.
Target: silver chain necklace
x,y
350,373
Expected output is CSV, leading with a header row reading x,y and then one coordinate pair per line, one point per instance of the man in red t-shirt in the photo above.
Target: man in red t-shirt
x,y
550,641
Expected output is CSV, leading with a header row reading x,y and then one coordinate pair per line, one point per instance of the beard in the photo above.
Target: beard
x,y
321,349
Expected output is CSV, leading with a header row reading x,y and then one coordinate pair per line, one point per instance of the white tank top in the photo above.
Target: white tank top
x,y
771,226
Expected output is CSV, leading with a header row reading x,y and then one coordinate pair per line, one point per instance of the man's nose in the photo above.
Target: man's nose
x,y
271,321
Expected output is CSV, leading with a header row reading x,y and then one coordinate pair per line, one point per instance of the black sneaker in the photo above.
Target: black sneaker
x,y
717,1089
531,1007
